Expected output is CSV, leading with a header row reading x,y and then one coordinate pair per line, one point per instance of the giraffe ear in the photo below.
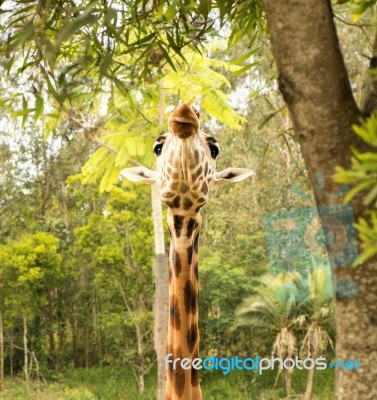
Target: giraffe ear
x,y
139,174
232,175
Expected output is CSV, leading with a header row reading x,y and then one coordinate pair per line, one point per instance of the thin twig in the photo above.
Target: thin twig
x,y
150,366
361,26
352,23
90,134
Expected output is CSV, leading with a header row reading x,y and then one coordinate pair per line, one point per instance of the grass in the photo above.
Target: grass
x,y
118,383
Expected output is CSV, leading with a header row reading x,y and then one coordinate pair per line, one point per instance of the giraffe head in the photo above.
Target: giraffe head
x,y
186,164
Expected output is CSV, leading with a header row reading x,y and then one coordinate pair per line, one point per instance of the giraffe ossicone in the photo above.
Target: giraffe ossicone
x,y
186,172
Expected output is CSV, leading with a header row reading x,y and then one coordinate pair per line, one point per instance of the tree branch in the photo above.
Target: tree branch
x,y
351,23
90,133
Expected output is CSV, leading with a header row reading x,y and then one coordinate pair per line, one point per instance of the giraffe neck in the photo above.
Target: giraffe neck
x,y
183,329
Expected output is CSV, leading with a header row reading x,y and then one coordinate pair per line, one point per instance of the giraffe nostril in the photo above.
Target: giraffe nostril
x,y
196,112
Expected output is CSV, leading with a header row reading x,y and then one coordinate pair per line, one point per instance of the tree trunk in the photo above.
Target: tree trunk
x,y
140,356
160,270
370,102
26,357
61,332
11,351
315,86
309,384
161,293
288,382
1,352
75,355
140,349
51,337
94,347
37,370
85,340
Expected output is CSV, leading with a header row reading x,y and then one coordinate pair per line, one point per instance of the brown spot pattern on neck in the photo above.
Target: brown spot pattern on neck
x,y
183,329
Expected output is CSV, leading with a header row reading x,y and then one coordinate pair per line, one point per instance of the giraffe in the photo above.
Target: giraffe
x,y
186,172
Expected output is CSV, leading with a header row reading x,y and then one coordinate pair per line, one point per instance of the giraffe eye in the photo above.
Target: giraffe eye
x,y
157,149
214,150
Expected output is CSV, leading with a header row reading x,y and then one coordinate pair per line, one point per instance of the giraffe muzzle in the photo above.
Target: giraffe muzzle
x,y
183,121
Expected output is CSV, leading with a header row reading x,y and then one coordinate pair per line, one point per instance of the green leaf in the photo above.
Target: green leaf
x,y
171,40
244,69
38,106
204,7
21,37
355,190
52,90
167,57
122,89
24,106
22,113
106,62
69,29
109,178
371,196
240,60
267,119
361,8
170,12
366,157
121,157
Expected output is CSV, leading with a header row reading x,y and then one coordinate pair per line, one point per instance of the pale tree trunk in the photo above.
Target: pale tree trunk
x,y
51,336
161,293
140,355
315,86
140,348
160,270
94,346
37,370
11,351
26,357
76,359
288,382
309,384
1,352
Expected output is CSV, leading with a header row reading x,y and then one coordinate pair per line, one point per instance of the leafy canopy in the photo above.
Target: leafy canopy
x,y
73,50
